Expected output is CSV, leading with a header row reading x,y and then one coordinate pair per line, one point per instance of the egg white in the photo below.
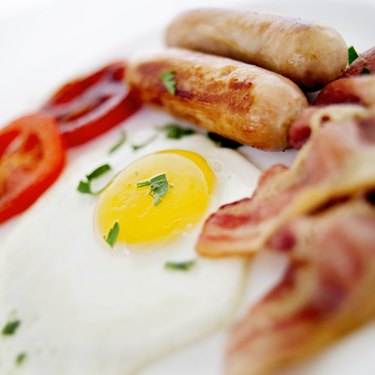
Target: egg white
x,y
86,309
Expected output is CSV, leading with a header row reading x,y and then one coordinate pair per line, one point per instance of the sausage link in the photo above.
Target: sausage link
x,y
239,101
309,53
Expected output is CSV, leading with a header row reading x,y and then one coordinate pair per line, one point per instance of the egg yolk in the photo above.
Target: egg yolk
x,y
133,207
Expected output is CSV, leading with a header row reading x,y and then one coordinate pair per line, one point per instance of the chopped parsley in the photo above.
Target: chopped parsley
x,y
113,234
119,143
11,327
180,266
222,141
98,172
159,187
174,131
20,358
84,187
145,143
169,81
352,55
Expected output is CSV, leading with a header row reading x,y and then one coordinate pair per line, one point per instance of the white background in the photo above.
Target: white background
x,y
72,35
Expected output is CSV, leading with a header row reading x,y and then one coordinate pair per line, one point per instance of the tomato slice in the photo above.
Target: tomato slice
x,y
89,106
32,155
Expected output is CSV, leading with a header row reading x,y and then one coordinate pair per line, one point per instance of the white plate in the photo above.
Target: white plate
x,y
41,50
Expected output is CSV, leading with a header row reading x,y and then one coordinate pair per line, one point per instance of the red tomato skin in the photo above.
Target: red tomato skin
x,y
128,106
104,102
35,183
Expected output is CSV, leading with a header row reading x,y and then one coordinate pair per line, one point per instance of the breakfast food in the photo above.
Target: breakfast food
x,y
323,295
320,214
309,53
333,164
239,101
344,98
86,308
101,276
317,116
32,157
183,182
357,89
32,148
363,64
89,106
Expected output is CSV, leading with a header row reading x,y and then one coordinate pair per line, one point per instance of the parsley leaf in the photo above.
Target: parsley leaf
x,y
11,327
20,358
84,187
98,172
174,131
180,266
352,55
143,184
145,143
119,143
169,81
222,141
113,234
159,187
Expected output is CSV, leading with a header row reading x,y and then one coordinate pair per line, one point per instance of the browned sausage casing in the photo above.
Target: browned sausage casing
x,y
309,53
239,101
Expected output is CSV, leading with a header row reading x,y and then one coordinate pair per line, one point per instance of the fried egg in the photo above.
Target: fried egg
x,y
87,308
126,202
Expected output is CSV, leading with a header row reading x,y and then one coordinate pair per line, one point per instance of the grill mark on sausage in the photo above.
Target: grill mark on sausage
x,y
237,95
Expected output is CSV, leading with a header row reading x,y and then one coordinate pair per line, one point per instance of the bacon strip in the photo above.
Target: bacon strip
x,y
353,90
357,90
321,212
325,293
316,116
338,160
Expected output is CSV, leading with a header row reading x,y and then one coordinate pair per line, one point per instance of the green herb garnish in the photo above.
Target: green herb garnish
x,y
113,234
352,55
145,143
174,131
119,143
180,266
84,187
169,81
159,187
143,184
223,142
11,327
20,358
98,172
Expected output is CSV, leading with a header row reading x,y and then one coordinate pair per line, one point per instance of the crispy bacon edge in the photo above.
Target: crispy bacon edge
x,y
321,212
323,295
324,170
